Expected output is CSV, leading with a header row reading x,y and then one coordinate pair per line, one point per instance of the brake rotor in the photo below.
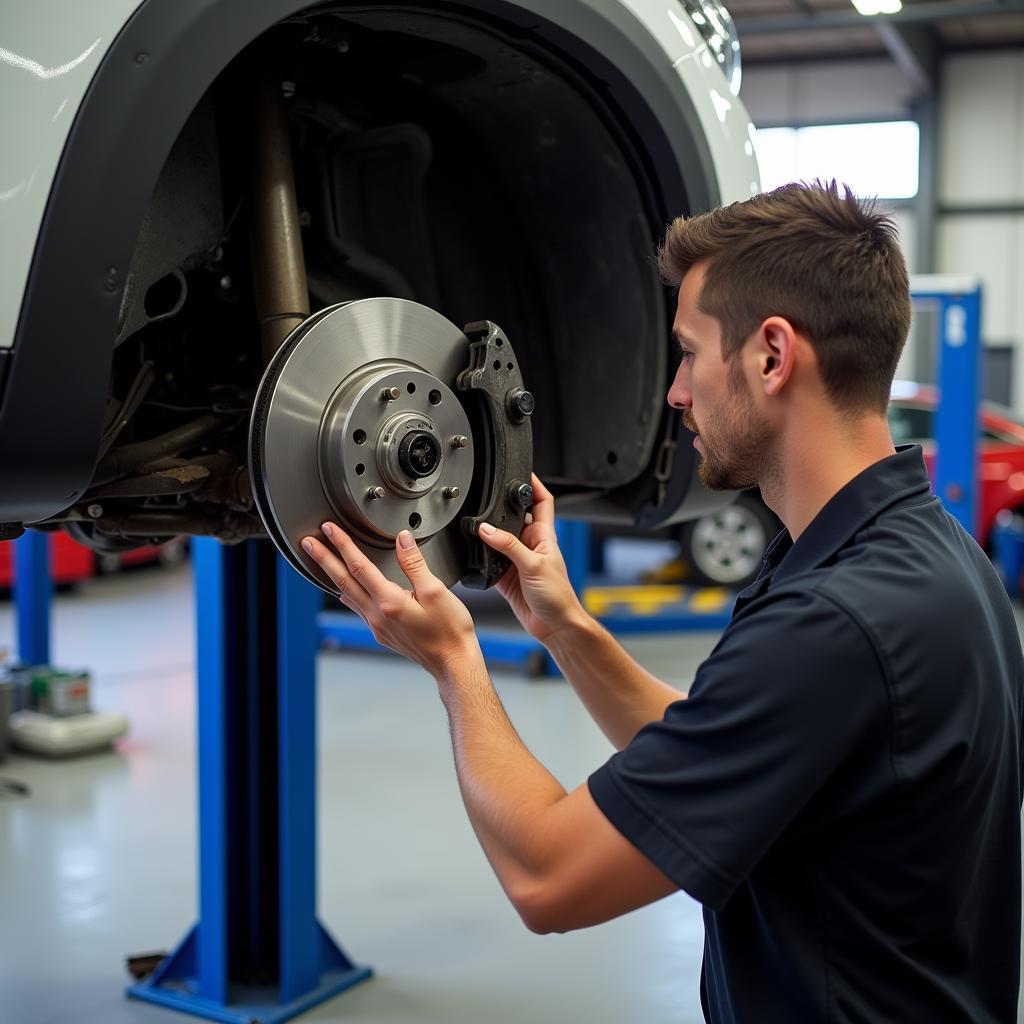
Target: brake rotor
x,y
357,421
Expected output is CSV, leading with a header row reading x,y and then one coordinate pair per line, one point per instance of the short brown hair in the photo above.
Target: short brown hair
x,y
826,262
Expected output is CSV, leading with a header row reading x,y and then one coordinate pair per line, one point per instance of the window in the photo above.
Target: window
x,y
879,159
909,423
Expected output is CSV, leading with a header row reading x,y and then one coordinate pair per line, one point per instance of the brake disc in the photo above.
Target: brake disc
x,y
381,415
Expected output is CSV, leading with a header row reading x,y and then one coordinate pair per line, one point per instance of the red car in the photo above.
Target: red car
x,y
71,562
1000,448
725,548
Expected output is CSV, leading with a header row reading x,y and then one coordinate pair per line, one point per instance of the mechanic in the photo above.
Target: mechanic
x,y
842,788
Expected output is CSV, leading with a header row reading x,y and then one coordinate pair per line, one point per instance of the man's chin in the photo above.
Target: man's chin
x,y
715,479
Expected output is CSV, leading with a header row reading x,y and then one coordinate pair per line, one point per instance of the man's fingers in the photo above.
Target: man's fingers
x,y
350,590
359,567
543,503
508,544
414,565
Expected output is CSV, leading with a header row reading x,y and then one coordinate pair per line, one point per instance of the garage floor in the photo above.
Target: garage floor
x,y
99,861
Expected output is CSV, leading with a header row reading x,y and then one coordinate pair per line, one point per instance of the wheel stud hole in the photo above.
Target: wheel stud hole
x,y
435,397
359,437
411,388
499,342
415,520
511,366
497,364
360,469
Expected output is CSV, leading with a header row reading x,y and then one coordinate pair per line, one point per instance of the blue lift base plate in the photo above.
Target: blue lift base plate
x,y
174,986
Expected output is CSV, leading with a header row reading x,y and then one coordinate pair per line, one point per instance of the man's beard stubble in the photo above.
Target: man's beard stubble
x,y
736,441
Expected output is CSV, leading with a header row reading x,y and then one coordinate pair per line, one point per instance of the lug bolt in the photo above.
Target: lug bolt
x,y
94,511
390,394
376,493
460,441
452,492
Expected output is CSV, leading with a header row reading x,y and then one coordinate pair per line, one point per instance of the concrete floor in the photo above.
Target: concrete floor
x,y
100,860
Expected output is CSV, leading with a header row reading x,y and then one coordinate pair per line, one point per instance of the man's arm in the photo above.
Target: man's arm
x,y
561,862
620,695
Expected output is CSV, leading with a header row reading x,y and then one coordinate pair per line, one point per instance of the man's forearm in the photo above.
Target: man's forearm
x,y
620,695
506,790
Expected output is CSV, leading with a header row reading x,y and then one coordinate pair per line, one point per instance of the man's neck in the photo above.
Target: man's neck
x,y
813,465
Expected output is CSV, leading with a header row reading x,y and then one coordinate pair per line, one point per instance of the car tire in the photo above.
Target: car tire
x,y
726,548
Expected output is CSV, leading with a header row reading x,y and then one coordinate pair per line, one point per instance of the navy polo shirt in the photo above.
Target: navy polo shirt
x,y
842,789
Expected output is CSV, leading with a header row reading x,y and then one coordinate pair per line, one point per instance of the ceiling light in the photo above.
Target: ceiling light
x,y
871,7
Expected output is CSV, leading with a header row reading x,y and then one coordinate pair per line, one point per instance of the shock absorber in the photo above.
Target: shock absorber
x,y
275,238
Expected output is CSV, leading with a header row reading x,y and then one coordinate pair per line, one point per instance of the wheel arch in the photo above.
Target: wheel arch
x,y
53,379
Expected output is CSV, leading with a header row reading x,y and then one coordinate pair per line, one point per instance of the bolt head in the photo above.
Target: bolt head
x,y
94,511
452,492
520,495
525,403
375,493
460,441
391,394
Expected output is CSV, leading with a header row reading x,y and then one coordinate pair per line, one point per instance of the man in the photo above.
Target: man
x,y
842,788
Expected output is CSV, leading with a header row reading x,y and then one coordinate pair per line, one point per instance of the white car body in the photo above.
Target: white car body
x,y
49,55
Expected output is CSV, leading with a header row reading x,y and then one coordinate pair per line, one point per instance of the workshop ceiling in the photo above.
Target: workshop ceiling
x,y
786,30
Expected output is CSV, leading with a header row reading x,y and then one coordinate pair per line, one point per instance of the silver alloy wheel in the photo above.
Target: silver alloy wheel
x,y
728,545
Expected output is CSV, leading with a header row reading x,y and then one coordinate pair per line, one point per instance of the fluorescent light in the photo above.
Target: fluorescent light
x,y
872,7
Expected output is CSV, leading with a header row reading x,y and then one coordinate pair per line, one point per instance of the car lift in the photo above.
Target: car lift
x,y
258,952
957,301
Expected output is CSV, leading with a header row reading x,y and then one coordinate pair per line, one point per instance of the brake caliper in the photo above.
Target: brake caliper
x,y
501,407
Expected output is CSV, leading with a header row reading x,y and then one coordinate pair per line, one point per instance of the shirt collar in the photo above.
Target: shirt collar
x,y
883,484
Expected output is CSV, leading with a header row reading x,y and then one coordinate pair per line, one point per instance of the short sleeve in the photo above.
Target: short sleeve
x,y
785,698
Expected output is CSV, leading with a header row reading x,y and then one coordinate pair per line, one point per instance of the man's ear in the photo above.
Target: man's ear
x,y
776,354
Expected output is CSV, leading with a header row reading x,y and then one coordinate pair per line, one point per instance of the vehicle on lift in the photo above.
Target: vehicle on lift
x,y
726,547
71,562
192,180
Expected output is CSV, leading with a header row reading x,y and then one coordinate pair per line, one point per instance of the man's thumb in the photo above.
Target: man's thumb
x,y
411,559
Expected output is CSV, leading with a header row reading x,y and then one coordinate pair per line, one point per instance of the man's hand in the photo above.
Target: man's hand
x,y
430,626
537,585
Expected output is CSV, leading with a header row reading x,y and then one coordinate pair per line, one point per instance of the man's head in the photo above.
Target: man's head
x,y
805,263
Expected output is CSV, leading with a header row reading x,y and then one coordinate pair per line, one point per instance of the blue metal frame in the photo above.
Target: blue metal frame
x,y
258,952
33,592
958,302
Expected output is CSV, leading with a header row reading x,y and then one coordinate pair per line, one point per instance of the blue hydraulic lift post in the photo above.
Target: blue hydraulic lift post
x,y
258,952
33,593
957,301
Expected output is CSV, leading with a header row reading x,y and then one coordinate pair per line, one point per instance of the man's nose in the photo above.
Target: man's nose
x,y
679,395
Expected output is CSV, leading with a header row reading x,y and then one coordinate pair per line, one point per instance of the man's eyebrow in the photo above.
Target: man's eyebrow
x,y
682,339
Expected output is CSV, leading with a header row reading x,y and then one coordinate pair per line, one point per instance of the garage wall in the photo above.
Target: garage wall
x,y
826,92
980,229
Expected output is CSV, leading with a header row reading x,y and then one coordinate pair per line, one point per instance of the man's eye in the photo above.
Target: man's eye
x,y
685,355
